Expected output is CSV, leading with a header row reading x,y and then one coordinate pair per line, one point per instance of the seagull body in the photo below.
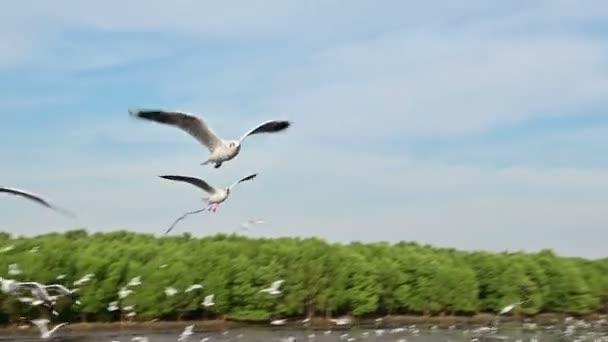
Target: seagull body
x,y
35,198
193,287
113,306
274,287
124,292
170,291
216,195
136,281
510,307
185,335
42,325
278,322
220,150
208,301
13,269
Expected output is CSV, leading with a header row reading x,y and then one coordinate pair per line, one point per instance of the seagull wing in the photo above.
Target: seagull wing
x,y
199,183
192,125
244,179
58,288
57,327
36,198
271,126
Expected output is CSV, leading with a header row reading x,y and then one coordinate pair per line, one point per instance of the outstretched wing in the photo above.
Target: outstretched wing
x,y
36,198
199,183
192,125
60,289
271,126
250,177
181,218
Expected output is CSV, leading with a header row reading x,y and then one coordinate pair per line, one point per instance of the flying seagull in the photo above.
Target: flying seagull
x,y
510,307
216,196
274,287
36,198
220,150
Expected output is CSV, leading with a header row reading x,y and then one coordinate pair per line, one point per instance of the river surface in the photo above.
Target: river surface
x,y
286,335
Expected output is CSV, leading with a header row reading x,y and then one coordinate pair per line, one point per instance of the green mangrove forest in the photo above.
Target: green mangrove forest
x,y
321,278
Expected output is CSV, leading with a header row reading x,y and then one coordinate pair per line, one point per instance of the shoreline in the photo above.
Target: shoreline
x,y
318,323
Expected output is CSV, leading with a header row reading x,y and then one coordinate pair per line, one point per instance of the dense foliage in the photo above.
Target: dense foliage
x,y
320,278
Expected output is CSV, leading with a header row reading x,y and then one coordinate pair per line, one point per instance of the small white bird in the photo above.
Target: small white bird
x,y
129,307
36,198
216,196
61,277
131,314
278,321
124,292
113,306
87,278
136,281
170,291
42,325
274,287
163,266
13,269
208,301
140,339
510,307
35,249
220,150
185,335
193,287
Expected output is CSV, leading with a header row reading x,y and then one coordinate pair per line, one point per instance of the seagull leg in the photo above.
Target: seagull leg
x,y
217,165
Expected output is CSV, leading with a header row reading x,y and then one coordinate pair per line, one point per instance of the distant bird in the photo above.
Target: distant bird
x,y
278,322
124,292
245,225
13,269
208,301
113,306
131,314
129,307
61,276
34,249
274,287
36,198
87,278
217,196
193,287
220,150
136,281
170,291
42,325
510,307
185,335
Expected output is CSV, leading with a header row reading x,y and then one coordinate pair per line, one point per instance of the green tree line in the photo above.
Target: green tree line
x,y
321,278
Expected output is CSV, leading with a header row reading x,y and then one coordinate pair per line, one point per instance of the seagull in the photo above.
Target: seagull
x,y
185,335
193,287
129,307
278,322
170,291
84,280
36,198
42,325
124,292
13,269
217,196
61,276
510,307
220,150
113,306
131,314
136,281
208,301
274,288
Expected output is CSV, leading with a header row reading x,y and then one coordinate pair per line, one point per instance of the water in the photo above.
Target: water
x,y
386,335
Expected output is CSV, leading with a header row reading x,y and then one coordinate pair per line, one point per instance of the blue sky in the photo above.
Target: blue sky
x,y
476,126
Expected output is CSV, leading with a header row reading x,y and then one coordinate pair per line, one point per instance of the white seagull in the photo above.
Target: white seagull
x,y
36,198
193,287
170,291
208,301
511,306
42,325
185,335
13,269
220,150
124,292
136,281
113,306
216,196
87,277
274,287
